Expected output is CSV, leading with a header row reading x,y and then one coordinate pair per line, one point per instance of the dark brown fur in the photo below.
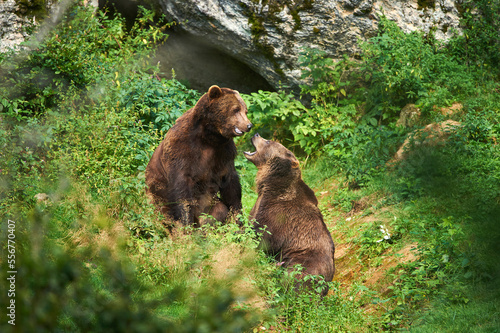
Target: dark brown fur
x,y
192,171
288,209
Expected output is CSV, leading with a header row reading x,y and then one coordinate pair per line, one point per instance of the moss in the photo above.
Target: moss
x,y
257,17
425,4
36,8
256,27
461,7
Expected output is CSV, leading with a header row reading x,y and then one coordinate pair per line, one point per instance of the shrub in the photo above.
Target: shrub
x,y
409,68
83,50
479,43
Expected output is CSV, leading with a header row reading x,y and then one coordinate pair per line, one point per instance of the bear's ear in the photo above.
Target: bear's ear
x,y
214,92
295,161
279,167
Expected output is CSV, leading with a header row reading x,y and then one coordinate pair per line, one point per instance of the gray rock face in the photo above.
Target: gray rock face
x,y
11,25
268,36
16,16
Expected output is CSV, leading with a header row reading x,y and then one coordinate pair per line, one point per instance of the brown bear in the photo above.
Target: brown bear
x,y
288,210
192,171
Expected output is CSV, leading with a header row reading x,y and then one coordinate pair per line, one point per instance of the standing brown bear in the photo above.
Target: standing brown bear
x,y
192,171
288,209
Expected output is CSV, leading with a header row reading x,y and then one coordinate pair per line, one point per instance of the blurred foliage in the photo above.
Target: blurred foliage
x,y
66,286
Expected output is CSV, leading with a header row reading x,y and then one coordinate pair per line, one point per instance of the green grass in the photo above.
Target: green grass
x,y
480,314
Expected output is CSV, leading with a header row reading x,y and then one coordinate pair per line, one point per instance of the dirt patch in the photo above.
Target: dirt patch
x,y
352,268
228,265
377,274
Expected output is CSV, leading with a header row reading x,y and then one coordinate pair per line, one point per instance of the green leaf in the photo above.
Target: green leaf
x,y
465,262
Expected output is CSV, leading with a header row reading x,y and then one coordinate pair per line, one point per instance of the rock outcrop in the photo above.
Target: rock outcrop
x,y
431,135
268,36
12,22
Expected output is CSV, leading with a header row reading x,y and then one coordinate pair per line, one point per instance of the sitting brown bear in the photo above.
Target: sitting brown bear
x,y
192,171
288,209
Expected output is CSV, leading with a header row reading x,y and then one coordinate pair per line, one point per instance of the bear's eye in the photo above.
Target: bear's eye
x,y
236,110
267,141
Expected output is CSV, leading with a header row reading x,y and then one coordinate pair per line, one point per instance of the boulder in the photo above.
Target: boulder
x,y
409,116
433,134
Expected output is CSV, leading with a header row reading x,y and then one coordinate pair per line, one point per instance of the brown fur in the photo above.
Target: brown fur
x,y
288,209
192,171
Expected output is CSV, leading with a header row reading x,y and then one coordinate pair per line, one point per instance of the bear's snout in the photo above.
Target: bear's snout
x,y
242,125
255,140
245,123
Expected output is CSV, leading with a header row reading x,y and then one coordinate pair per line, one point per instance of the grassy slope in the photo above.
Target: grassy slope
x,y
444,230
452,210
466,299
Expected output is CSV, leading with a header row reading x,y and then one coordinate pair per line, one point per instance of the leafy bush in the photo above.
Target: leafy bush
x,y
479,44
331,125
307,312
409,68
85,49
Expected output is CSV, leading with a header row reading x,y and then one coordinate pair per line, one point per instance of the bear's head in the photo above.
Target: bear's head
x,y
225,111
273,159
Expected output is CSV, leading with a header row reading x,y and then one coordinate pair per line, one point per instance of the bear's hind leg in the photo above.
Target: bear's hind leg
x,y
218,212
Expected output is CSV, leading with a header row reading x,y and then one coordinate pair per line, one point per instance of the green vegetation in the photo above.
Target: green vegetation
x,y
82,112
